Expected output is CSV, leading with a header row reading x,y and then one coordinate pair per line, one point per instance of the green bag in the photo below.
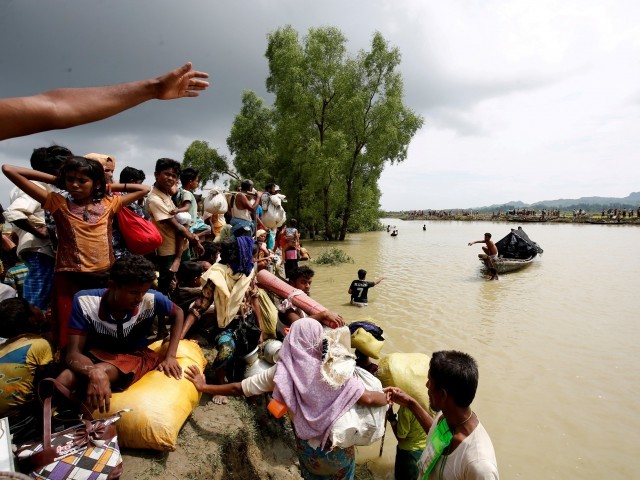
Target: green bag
x,y
440,440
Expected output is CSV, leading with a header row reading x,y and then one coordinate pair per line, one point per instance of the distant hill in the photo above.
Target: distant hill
x,y
586,203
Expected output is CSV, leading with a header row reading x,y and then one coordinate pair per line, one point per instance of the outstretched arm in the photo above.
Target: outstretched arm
x,y
133,191
69,107
193,374
326,318
373,399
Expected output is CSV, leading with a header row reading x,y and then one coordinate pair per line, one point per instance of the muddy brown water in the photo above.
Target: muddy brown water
x,y
558,344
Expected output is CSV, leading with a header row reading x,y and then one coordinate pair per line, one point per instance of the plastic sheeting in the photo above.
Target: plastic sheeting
x,y
518,245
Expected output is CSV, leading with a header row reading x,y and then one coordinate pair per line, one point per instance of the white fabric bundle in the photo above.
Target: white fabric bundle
x,y
215,202
273,216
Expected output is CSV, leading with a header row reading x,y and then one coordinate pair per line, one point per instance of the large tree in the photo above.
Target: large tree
x,y
251,140
377,124
335,122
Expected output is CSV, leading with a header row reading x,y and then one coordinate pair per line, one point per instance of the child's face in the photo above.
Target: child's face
x,y
193,184
108,171
166,179
128,296
79,185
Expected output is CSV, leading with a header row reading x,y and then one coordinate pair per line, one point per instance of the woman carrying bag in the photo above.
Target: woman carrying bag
x,y
299,381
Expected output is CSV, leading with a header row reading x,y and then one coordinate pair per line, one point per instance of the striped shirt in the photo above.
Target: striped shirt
x,y
15,276
90,316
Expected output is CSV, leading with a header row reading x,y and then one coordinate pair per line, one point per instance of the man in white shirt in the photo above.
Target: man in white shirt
x,y
458,446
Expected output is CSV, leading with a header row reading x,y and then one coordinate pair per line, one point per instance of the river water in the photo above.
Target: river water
x,y
558,344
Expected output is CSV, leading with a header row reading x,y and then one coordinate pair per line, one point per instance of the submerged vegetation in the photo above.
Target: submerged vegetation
x,y
333,256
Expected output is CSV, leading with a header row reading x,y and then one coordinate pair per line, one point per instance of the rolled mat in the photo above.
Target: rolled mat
x,y
282,289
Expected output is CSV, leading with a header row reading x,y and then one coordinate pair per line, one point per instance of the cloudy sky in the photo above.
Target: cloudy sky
x,y
522,100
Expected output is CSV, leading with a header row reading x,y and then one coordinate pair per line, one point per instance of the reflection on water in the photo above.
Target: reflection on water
x,y
557,343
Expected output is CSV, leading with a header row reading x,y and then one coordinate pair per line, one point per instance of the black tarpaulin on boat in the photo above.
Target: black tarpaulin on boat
x,y
517,244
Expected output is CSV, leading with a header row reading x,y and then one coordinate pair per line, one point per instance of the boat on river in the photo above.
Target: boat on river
x,y
506,265
515,251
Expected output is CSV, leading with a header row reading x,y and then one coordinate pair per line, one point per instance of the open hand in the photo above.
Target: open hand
x,y
332,320
171,368
181,82
99,391
192,373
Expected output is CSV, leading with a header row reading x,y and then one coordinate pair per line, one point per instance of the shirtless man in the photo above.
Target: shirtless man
x,y
245,204
490,254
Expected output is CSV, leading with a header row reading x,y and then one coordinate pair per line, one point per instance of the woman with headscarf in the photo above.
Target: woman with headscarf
x,y
303,382
230,286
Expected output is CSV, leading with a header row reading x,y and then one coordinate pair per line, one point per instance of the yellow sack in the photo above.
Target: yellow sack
x,y
407,371
160,405
366,343
269,314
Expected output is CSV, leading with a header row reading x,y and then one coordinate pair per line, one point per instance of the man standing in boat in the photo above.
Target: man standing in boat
x,y
490,254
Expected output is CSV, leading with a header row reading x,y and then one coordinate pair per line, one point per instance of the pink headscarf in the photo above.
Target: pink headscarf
x,y
299,384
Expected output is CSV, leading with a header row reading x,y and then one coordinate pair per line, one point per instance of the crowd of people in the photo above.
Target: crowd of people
x,y
424,214
80,305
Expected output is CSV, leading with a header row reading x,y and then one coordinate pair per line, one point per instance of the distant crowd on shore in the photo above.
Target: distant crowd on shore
x,y
611,214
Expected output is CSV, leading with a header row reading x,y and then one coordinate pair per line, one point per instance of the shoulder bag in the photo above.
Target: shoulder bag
x,y
88,450
140,235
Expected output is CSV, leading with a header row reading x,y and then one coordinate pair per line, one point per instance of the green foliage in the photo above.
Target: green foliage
x,y
332,256
209,163
336,121
251,140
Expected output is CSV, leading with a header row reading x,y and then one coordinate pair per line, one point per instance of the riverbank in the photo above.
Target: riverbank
x,y
232,441
236,441
593,219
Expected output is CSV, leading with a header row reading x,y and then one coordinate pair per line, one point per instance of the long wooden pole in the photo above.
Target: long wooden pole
x,y
383,436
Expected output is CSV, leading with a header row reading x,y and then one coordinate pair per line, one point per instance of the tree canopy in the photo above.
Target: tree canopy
x,y
337,120
209,163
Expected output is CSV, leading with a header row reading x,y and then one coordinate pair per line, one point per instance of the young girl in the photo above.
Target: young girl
x,y
290,244
83,218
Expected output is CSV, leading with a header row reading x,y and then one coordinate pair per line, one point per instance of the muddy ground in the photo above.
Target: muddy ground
x,y
236,441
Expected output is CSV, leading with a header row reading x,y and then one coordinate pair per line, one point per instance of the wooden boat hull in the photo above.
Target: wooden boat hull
x,y
506,265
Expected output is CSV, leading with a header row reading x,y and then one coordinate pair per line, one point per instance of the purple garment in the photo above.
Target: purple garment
x,y
244,263
299,384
